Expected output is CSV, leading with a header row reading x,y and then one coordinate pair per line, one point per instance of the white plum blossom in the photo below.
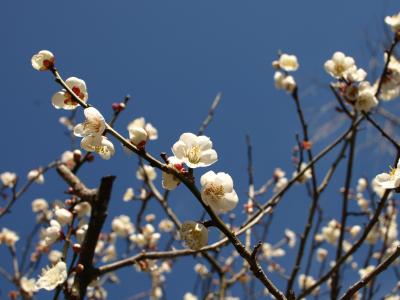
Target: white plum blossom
x,y
365,99
138,136
306,282
28,285
291,237
150,130
55,256
122,226
195,151
217,191
43,60
93,125
36,175
389,180
110,253
339,65
8,179
189,296
305,176
355,230
362,185
39,205
64,100
82,209
201,270
166,225
148,237
390,85
170,181
51,233
80,233
194,234
393,22
63,216
365,271
280,184
146,172
284,82
128,195
288,62
270,251
321,254
331,232
99,144
53,276
8,237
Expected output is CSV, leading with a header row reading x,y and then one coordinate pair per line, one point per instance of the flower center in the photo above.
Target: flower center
x,y
194,154
392,172
214,191
92,125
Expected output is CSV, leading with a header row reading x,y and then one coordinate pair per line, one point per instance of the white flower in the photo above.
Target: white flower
x,y
189,296
82,209
8,237
331,232
365,97
195,151
393,22
280,184
63,216
166,225
201,270
55,256
269,251
122,226
355,230
170,181
99,144
365,271
389,180
339,65
81,233
148,237
194,234
28,285
51,233
138,136
52,277
93,125
128,195
39,205
390,85
43,60
306,175
291,237
36,175
110,253
146,171
8,179
217,191
307,281
321,254
362,185
288,62
64,100
151,131
284,82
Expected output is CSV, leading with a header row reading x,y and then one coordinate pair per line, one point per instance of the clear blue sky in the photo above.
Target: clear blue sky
x,y
173,57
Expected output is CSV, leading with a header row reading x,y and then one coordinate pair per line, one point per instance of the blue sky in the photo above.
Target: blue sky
x,y
173,57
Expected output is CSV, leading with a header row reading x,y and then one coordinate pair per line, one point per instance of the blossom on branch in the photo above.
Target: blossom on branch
x,y
8,179
64,100
170,181
43,60
389,180
195,151
393,22
194,234
94,124
52,277
217,191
